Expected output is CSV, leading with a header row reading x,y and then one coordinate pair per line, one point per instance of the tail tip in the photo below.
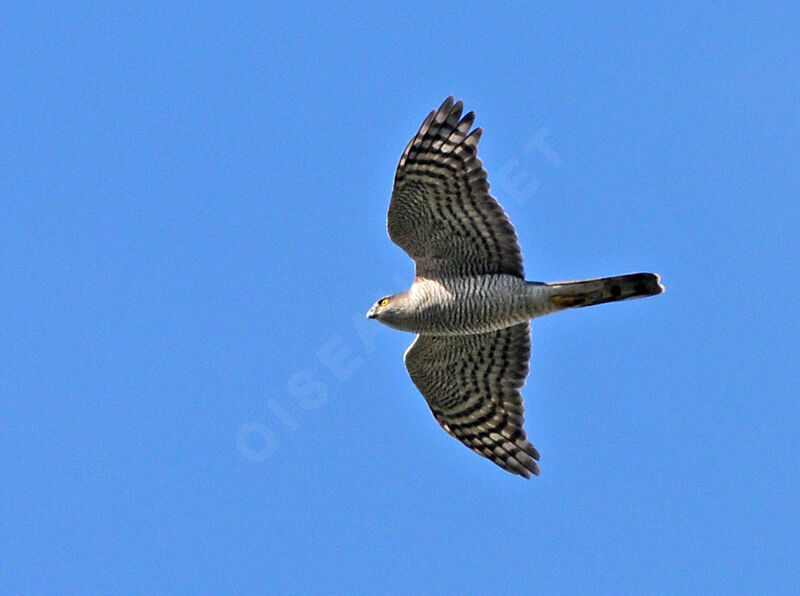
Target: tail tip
x,y
646,284
659,287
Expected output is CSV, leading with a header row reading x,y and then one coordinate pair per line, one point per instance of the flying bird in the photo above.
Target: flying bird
x,y
470,305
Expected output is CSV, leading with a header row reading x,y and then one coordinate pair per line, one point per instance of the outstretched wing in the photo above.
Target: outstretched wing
x,y
441,212
472,383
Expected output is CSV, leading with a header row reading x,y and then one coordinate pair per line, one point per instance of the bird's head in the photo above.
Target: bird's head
x,y
389,310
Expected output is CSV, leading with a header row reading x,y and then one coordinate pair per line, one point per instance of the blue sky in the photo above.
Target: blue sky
x,y
192,215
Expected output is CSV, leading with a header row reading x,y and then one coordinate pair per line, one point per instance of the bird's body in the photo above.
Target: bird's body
x,y
465,305
483,303
470,304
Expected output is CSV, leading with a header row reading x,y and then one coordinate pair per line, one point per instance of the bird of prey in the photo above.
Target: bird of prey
x,y
470,305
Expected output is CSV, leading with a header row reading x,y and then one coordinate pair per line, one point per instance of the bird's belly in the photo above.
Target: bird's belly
x,y
470,305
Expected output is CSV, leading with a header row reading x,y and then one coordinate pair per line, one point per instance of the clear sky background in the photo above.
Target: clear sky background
x,y
192,227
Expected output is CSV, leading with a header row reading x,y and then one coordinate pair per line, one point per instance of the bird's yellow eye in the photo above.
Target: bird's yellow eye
x,y
383,302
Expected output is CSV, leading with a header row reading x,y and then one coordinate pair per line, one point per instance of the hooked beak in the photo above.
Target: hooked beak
x,y
371,313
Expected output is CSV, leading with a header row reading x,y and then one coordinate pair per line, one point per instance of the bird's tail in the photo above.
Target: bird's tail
x,y
573,294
